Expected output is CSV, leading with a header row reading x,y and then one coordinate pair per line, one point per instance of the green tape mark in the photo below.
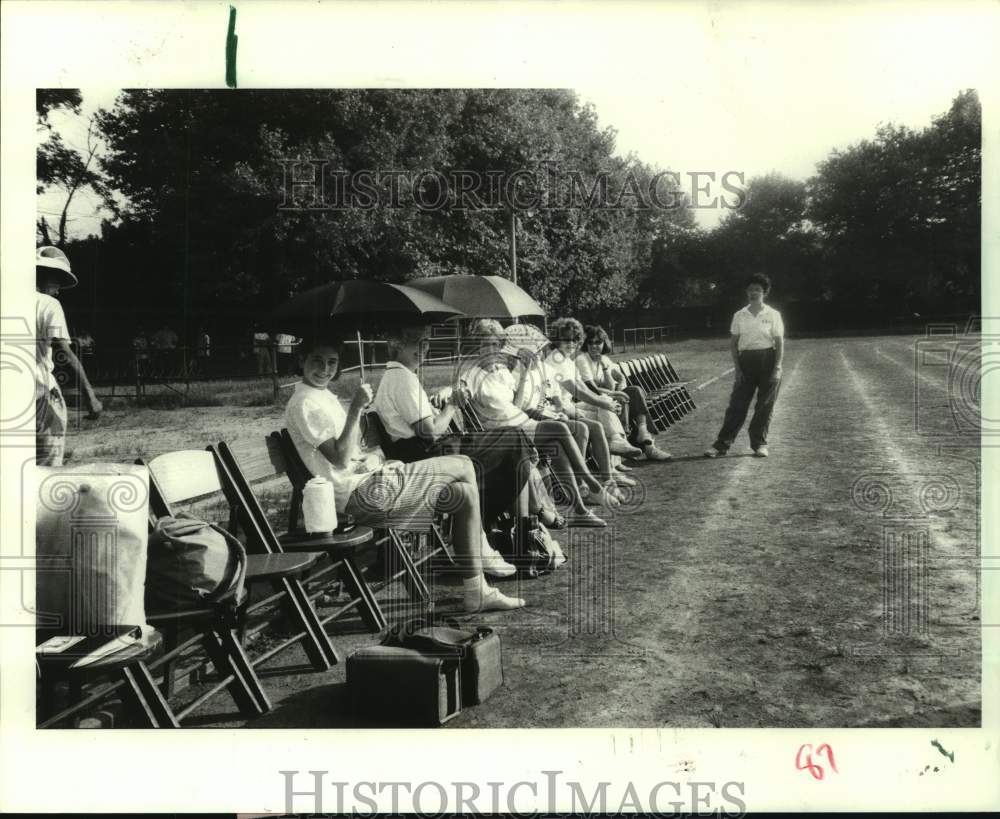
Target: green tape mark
x,y
231,39
949,754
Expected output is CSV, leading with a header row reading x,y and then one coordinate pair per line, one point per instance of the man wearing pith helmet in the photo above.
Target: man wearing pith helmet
x,y
52,274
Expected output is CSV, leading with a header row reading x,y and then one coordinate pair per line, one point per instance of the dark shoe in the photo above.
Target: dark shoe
x,y
712,452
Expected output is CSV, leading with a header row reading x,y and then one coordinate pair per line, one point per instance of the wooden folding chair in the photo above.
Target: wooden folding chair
x,y
657,386
685,397
191,475
399,563
247,463
129,668
660,417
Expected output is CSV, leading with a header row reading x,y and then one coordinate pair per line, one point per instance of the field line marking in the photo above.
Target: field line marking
x,y
723,374
895,456
926,379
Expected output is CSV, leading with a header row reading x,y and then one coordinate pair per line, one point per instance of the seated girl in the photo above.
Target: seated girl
x,y
397,495
498,396
571,396
603,376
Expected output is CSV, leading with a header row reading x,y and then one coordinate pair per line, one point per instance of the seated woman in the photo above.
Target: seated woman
x,y
416,429
498,396
573,397
404,496
602,375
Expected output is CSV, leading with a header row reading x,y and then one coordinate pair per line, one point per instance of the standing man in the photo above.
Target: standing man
x,y
757,345
52,339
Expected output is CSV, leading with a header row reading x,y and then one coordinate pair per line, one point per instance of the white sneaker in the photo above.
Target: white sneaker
x,y
654,453
712,452
495,566
619,446
761,451
488,598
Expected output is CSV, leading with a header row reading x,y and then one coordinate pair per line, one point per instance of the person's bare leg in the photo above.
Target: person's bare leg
x,y
568,462
462,502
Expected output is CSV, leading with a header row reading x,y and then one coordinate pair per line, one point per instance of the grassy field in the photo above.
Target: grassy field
x,y
736,592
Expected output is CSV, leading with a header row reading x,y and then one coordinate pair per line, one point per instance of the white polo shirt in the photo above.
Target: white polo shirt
x,y
757,332
401,401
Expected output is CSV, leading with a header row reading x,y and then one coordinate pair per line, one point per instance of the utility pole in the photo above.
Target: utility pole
x,y
513,245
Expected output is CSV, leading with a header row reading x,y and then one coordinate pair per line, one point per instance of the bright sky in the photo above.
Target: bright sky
x,y
719,87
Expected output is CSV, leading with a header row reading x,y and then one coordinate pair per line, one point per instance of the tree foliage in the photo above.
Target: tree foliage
x,y
203,173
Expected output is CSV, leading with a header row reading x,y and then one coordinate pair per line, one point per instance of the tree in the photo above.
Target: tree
x,y
203,173
899,214
59,165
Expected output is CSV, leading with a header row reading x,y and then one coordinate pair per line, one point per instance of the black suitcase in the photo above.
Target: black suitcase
x,y
396,686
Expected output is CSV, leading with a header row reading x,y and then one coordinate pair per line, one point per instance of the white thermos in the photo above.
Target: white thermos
x,y
318,507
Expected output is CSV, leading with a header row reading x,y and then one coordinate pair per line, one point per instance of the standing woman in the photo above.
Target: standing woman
x,y
757,345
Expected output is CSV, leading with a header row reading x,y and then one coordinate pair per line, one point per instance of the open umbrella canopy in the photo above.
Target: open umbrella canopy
x,y
361,303
481,296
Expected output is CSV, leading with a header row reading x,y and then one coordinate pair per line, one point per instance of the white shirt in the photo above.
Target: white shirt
x,y
50,323
560,370
757,332
493,390
401,401
314,416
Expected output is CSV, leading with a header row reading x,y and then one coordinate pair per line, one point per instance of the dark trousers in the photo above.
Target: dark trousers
x,y
501,457
757,366
631,412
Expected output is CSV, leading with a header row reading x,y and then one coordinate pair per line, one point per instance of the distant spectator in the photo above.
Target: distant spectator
x,y
164,342
53,273
262,350
286,358
198,363
164,339
85,342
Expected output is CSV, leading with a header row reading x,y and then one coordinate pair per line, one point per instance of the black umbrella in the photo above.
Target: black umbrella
x,y
358,303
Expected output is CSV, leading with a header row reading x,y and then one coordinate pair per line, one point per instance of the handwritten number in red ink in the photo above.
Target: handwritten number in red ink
x,y
804,760
829,755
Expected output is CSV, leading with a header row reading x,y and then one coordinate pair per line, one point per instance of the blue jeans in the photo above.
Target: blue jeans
x,y
757,367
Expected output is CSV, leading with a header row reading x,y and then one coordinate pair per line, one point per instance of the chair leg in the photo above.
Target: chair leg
x,y
358,589
319,649
413,581
143,699
229,659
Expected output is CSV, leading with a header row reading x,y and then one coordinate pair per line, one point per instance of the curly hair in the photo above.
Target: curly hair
x,y
486,327
762,279
597,333
565,329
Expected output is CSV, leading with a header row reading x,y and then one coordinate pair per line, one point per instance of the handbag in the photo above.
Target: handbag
x,y
192,562
477,651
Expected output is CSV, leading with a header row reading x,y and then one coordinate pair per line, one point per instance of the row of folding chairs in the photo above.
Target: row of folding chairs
x,y
290,563
667,396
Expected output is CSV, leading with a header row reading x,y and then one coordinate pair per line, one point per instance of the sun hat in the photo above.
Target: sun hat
x,y
52,258
524,337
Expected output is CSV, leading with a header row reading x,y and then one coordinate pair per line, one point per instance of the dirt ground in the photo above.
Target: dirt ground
x,y
833,584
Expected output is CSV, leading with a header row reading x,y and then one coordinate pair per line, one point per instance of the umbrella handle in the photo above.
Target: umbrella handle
x,y
361,356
